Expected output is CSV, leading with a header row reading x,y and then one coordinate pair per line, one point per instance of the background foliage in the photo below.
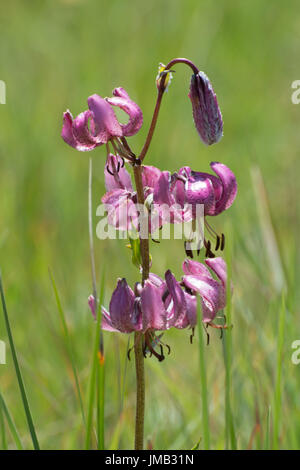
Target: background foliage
x,y
53,55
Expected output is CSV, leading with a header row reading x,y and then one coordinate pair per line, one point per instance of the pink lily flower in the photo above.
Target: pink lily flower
x,y
189,188
121,199
156,306
198,280
99,124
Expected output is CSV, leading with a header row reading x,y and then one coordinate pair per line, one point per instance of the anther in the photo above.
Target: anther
x,y
223,242
207,335
207,246
217,243
128,353
188,251
108,170
165,295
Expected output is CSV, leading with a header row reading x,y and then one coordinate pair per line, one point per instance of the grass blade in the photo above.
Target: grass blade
x,y
69,344
277,398
11,424
203,381
96,362
227,349
268,430
2,428
18,372
101,376
100,400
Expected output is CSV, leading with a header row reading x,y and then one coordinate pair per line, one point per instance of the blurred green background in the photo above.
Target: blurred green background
x,y
53,55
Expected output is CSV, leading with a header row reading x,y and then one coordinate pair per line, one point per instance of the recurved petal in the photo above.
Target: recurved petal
x,y
81,132
150,175
106,321
121,209
199,190
177,296
195,268
116,175
121,308
162,194
68,136
229,185
106,124
92,305
156,280
210,291
190,317
219,267
154,313
191,309
121,100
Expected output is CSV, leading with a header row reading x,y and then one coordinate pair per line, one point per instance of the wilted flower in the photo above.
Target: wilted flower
x,y
99,124
156,306
206,111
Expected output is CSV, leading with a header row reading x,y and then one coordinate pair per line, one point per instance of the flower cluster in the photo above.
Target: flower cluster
x,y
157,304
161,304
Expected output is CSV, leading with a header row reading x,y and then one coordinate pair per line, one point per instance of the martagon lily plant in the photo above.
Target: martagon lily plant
x,y
156,304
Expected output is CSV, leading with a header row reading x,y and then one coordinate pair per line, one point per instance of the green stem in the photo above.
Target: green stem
x,y
140,391
161,90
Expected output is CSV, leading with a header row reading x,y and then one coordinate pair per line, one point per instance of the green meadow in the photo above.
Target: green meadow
x,y
53,55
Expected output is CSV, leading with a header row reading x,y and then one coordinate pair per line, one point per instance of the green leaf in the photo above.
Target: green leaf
x,y
18,372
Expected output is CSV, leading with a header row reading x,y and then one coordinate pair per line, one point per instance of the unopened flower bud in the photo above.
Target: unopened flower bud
x,y
206,111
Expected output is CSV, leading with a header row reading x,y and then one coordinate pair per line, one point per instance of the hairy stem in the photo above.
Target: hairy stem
x,y
138,338
144,242
154,120
140,391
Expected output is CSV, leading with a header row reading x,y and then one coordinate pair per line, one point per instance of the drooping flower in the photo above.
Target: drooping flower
x,y
121,199
217,193
156,306
206,111
189,189
99,124
160,304
199,280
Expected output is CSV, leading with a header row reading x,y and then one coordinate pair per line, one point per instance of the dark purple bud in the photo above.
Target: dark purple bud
x,y
206,111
